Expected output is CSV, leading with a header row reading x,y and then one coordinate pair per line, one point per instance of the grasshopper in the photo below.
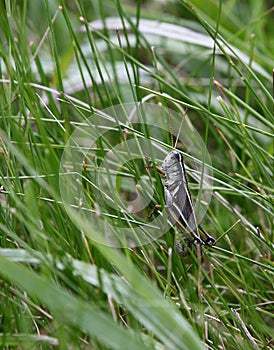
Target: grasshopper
x,y
179,206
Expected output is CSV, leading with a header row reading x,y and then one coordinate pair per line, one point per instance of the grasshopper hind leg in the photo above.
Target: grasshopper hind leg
x,y
183,244
180,248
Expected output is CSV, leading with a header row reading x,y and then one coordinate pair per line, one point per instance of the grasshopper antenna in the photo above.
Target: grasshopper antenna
x,y
174,144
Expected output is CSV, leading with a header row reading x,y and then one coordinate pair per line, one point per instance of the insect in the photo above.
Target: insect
x,y
179,206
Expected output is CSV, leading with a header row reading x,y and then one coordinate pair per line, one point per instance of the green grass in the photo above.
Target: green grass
x,y
62,288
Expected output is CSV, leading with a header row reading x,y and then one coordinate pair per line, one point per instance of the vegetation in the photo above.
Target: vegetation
x,y
70,179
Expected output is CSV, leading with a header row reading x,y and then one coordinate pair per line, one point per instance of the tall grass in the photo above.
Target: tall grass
x,y
62,288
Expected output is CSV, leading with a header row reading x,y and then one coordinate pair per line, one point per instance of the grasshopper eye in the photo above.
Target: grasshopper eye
x,y
177,155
